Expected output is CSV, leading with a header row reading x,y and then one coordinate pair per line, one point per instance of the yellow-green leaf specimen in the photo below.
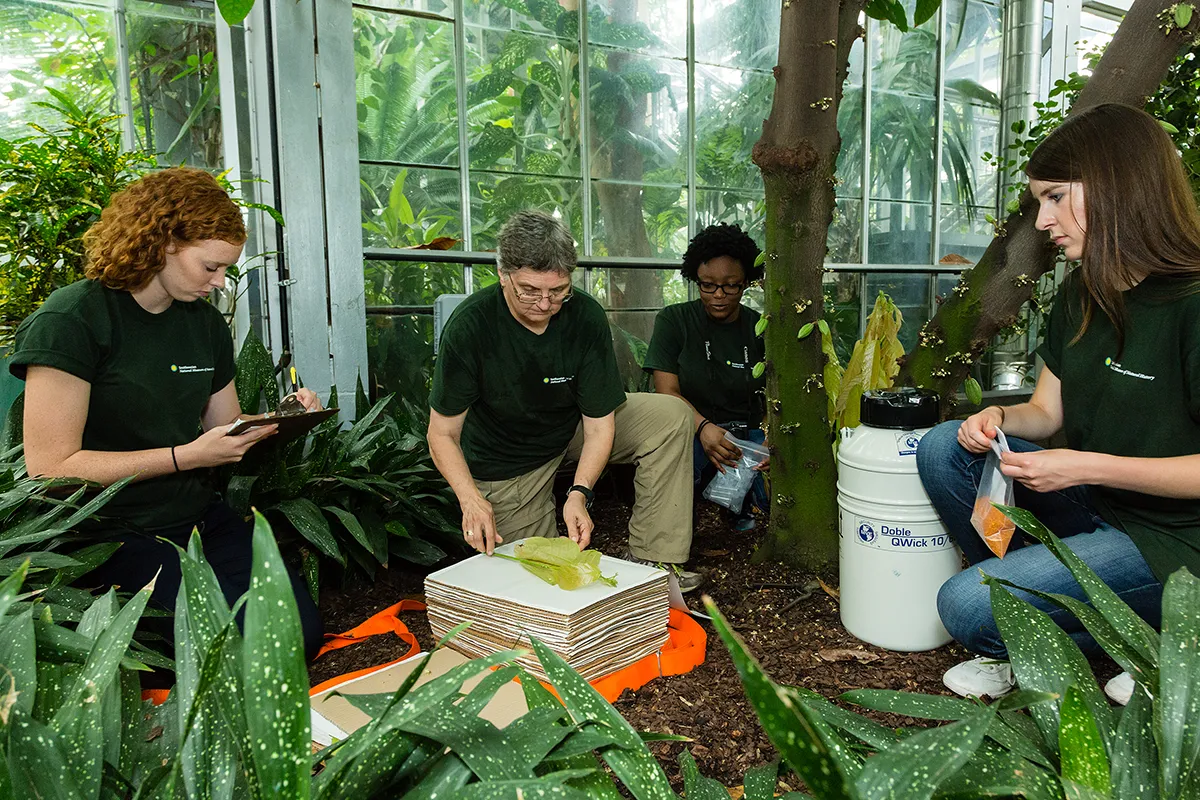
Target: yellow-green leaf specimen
x,y
873,364
559,562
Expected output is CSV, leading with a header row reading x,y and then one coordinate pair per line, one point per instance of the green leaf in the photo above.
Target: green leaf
x,y
10,587
993,772
1045,659
1183,14
628,758
1081,750
760,259
823,326
866,730
921,706
759,369
38,767
925,11
695,785
760,781
307,518
275,677
806,743
1168,127
760,326
805,330
351,523
973,391
1134,752
234,11
1177,706
1135,630
919,763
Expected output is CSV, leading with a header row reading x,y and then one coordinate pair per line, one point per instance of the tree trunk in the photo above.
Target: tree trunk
x,y
991,294
798,157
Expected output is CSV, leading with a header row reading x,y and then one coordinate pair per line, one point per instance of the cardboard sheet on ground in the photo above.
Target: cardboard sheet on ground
x,y
334,717
597,628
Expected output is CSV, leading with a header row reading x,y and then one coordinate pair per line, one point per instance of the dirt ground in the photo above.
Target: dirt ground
x,y
794,630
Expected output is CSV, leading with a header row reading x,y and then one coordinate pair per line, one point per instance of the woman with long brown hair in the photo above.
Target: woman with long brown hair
x,y
125,368
1121,382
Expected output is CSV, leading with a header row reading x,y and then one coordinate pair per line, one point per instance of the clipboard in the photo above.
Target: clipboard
x,y
290,425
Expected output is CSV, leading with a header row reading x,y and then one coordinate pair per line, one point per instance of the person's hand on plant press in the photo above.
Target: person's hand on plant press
x,y
578,520
720,451
479,525
978,430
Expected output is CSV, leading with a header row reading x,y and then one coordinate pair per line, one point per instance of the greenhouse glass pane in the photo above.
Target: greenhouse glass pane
x,y
645,26
638,110
400,357
744,209
521,95
407,206
737,33
902,137
910,292
633,299
901,233
556,18
496,196
407,108
173,74
969,131
731,105
905,62
407,283
843,310
966,231
845,233
639,221
973,50
63,46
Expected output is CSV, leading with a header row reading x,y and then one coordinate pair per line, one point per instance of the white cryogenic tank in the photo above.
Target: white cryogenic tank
x,y
895,553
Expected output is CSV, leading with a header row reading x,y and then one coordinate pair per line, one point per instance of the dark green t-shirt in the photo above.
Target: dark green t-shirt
x,y
525,391
151,376
712,359
1143,402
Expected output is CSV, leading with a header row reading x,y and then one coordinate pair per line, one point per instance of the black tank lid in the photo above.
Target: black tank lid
x,y
903,409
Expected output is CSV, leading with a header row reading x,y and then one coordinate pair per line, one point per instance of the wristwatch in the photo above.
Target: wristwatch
x,y
588,494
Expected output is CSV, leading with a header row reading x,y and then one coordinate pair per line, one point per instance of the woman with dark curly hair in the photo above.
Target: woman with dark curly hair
x,y
703,351
125,368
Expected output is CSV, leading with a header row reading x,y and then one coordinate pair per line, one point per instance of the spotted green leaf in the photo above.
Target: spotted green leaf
x,y
806,743
1177,707
37,764
993,772
860,727
1085,769
307,518
1135,630
1045,659
697,786
918,764
1134,752
805,330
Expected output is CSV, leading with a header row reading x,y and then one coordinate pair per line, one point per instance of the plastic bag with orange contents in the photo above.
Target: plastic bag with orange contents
x,y
993,527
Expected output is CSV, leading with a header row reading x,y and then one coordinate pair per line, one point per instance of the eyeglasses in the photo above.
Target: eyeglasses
x,y
726,288
555,296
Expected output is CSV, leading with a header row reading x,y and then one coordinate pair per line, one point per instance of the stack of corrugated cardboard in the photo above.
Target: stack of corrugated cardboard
x,y
598,629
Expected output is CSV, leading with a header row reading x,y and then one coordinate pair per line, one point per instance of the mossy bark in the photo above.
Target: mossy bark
x,y
798,155
993,292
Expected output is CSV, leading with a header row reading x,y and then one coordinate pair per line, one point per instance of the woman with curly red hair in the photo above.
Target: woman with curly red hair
x,y
129,372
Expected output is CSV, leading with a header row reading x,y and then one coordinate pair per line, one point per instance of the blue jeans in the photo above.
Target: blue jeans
x,y
703,469
951,477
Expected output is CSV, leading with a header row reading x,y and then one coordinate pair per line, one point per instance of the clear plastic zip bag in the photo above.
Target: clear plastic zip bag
x,y
989,522
729,488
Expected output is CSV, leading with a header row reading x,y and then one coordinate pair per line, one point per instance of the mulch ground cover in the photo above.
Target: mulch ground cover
x,y
789,621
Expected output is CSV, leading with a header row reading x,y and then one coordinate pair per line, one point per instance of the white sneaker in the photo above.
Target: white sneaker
x,y
980,676
1120,689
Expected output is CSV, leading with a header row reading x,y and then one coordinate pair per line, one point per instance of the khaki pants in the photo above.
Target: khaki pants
x,y
654,432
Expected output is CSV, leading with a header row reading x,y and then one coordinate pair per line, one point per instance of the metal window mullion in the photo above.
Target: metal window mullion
x,y
124,87
260,75
691,118
935,222
865,233
585,128
464,155
231,152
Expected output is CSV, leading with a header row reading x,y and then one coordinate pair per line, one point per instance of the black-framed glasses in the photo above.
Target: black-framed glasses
x,y
726,288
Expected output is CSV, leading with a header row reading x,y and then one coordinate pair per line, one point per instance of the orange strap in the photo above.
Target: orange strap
x,y
684,651
386,621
